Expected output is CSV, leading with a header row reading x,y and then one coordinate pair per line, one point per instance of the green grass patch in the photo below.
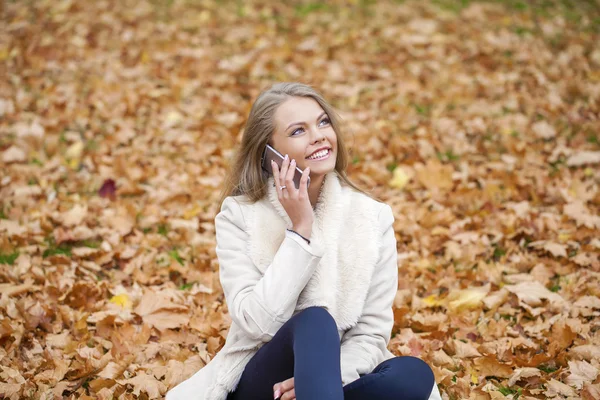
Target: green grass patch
x,y
162,230
423,110
447,156
592,138
56,250
66,248
175,256
9,258
187,285
302,10
547,369
498,253
510,391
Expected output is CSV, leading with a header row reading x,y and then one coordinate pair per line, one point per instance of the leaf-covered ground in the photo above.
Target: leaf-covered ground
x,y
478,122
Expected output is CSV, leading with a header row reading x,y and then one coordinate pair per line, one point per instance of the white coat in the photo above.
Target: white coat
x,y
269,274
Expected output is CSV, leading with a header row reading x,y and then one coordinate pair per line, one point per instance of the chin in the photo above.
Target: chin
x,y
321,169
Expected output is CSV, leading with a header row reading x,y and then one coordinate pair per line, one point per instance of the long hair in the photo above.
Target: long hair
x,y
246,176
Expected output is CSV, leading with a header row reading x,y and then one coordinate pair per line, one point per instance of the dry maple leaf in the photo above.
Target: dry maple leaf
x,y
178,371
587,352
464,350
558,389
532,293
157,309
579,212
490,366
522,373
584,157
581,372
148,384
556,249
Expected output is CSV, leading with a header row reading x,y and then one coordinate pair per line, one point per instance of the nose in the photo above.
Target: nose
x,y
317,135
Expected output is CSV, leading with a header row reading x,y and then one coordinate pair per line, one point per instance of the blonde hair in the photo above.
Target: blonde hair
x,y
246,176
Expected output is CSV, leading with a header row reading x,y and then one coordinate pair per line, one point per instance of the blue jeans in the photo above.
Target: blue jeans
x,y
307,347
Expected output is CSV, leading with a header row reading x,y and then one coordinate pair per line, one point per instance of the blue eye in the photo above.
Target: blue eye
x,y
326,120
295,131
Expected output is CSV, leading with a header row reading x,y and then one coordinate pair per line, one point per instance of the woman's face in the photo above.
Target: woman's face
x,y
301,129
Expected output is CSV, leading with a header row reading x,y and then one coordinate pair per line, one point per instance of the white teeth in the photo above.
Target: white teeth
x,y
320,154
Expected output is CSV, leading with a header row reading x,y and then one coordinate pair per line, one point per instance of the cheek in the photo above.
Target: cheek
x,y
333,138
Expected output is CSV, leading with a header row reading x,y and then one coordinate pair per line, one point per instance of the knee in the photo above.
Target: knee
x,y
317,317
412,377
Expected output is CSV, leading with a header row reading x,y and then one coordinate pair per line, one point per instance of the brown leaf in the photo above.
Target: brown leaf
x,y
532,293
587,352
145,383
521,373
464,350
581,372
179,371
557,388
489,366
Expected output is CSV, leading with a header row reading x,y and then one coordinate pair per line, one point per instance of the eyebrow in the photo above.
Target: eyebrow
x,y
300,123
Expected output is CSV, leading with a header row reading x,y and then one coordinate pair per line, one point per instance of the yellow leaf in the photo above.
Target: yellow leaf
x,y
121,300
73,164
474,378
192,212
432,301
440,230
588,172
468,298
563,237
399,179
74,150
205,16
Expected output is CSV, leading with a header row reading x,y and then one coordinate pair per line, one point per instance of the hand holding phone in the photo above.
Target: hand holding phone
x,y
294,197
271,154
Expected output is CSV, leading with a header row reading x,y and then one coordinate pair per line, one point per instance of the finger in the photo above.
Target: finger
x,y
277,390
289,177
304,181
289,395
276,177
284,167
286,385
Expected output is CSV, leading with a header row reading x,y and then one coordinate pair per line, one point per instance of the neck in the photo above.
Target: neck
x,y
314,189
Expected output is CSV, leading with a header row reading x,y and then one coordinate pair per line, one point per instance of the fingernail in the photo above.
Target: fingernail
x,y
286,157
277,394
294,161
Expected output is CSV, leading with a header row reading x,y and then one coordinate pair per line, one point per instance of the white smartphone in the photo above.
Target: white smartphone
x,y
271,154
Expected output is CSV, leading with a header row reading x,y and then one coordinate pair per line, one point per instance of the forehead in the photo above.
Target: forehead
x,y
297,109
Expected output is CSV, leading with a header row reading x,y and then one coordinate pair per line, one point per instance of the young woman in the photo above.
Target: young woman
x,y
309,273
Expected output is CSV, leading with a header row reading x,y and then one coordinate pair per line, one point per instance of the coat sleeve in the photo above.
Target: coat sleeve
x,y
365,344
260,304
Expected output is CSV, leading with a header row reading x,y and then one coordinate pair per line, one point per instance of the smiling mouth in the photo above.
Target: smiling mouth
x,y
320,155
